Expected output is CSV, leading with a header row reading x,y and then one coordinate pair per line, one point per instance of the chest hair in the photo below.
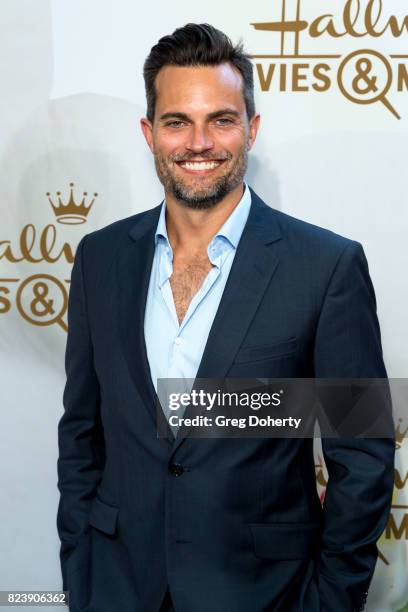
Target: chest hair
x,y
187,278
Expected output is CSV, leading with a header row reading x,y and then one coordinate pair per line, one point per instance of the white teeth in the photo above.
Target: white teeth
x,y
200,165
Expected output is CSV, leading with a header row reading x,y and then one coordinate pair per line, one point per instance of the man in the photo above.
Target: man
x,y
212,283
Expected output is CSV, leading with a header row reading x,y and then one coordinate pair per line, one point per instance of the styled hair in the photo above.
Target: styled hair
x,y
197,45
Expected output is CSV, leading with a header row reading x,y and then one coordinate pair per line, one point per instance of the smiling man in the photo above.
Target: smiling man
x,y
214,146
212,283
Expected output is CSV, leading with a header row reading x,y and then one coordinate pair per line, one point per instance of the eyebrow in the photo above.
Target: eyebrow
x,y
213,115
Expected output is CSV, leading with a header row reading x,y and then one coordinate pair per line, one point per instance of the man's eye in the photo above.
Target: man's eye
x,y
175,124
224,121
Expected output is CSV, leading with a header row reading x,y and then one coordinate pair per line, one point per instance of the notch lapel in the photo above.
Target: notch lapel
x,y
134,266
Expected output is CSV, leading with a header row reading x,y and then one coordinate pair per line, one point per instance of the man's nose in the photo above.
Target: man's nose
x,y
200,139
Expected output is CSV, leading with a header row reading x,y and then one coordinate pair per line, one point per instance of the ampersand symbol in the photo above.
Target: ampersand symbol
x,y
40,291
363,68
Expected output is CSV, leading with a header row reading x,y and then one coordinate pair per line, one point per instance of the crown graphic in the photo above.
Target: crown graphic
x,y
71,213
399,434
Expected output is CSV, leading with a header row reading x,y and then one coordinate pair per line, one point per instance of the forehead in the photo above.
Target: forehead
x,y
192,89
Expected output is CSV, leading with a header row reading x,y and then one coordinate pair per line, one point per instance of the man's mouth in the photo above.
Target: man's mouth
x,y
201,167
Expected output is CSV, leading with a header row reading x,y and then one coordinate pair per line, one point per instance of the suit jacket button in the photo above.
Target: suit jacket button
x,y
176,469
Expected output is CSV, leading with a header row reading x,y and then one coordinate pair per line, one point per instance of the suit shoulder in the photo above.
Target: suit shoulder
x,y
305,236
111,234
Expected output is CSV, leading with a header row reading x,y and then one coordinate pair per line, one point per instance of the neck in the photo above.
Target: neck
x,y
192,230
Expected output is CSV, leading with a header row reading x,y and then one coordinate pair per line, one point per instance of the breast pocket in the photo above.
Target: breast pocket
x,y
267,351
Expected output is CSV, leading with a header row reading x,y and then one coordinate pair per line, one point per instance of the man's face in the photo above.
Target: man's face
x,y
200,135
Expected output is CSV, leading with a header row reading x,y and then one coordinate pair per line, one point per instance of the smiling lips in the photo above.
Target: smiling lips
x,y
200,167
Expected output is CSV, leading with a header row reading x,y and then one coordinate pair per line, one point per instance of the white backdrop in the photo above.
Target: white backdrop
x,y
72,95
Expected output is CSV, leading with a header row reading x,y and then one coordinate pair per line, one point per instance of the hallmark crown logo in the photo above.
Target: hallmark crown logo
x,y
71,213
41,298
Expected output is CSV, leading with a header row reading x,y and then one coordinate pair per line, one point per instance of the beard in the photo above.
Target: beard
x,y
205,192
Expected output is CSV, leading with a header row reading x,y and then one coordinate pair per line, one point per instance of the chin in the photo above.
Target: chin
x,y
200,199
199,203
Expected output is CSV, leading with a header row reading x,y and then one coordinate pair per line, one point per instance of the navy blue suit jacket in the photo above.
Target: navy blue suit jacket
x,y
231,525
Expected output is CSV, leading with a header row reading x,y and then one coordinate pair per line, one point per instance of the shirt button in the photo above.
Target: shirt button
x,y
178,341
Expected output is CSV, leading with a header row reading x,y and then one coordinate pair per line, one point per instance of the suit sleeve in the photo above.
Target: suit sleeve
x,y
361,471
80,435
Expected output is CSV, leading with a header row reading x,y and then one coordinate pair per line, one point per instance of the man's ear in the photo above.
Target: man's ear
x,y
253,129
147,130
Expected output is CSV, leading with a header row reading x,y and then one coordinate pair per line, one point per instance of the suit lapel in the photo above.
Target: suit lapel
x,y
134,267
253,267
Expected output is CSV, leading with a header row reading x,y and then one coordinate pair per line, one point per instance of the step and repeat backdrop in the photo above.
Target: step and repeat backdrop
x,y
332,88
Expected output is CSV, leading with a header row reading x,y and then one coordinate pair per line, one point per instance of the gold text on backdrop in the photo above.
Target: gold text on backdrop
x,y
42,299
364,76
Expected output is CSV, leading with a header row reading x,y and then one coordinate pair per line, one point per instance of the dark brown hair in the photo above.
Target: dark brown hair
x,y
197,44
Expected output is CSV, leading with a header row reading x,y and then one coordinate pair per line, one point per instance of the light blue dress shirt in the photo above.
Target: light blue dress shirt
x,y
174,350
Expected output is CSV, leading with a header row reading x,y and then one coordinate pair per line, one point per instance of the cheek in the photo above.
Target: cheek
x,y
233,140
169,144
